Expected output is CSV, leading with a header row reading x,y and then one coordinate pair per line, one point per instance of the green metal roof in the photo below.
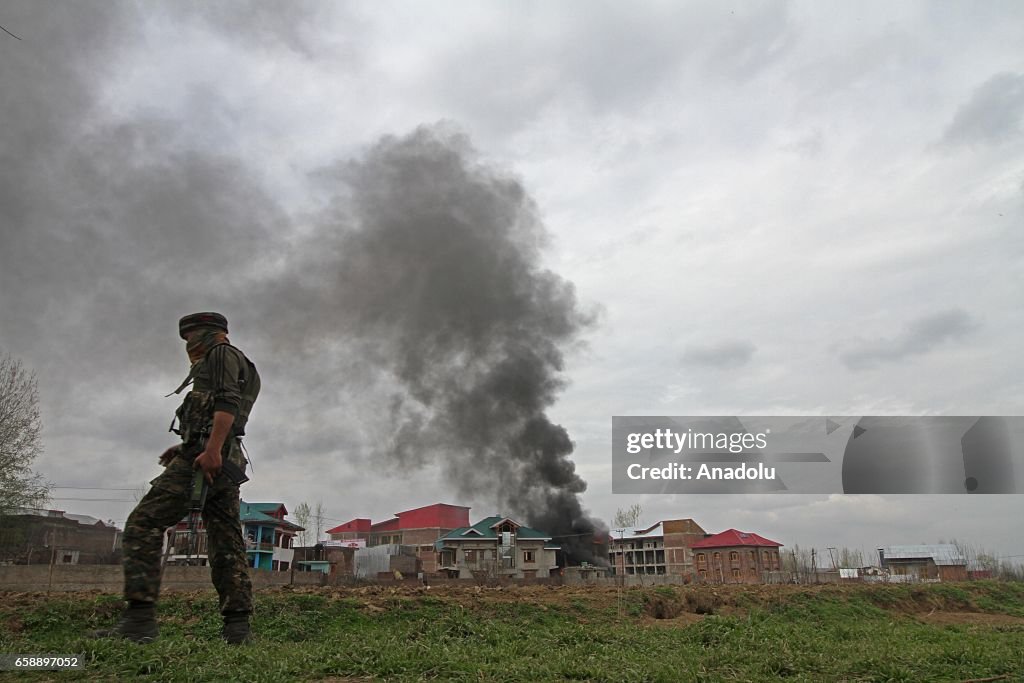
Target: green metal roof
x,y
252,513
482,529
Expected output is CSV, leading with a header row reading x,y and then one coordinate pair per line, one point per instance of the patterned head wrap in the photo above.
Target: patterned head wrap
x,y
197,320
202,331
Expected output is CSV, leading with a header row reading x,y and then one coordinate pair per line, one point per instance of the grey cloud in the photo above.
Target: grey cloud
x,y
611,57
110,231
753,40
267,26
992,114
919,336
722,355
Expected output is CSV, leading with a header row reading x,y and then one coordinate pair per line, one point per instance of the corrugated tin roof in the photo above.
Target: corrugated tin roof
x,y
631,533
87,520
940,553
733,537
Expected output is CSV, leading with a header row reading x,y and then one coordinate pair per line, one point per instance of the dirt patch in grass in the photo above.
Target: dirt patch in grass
x,y
970,618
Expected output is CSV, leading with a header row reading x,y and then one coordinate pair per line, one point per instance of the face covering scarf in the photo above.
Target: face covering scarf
x,y
197,346
202,341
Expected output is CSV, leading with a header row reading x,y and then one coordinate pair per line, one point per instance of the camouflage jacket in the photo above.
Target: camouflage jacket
x,y
224,380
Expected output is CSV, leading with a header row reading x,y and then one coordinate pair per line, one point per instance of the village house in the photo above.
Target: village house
x,y
497,547
938,562
334,560
269,538
418,528
734,556
354,533
660,549
37,536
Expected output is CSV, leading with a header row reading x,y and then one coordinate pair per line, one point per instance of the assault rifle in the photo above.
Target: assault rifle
x,y
200,487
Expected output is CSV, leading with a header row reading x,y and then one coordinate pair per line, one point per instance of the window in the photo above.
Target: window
x,y
753,556
507,527
717,557
528,556
273,565
701,558
284,566
703,573
734,557
735,573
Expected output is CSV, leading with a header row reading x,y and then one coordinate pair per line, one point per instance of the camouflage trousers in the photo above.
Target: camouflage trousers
x,y
165,505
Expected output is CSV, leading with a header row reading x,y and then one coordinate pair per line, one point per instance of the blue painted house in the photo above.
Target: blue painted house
x,y
269,537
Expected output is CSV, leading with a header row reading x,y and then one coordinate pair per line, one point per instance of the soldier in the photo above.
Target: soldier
x,y
212,420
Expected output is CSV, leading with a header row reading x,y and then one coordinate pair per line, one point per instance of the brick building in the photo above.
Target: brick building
x,y
418,527
36,536
660,549
355,530
335,561
736,557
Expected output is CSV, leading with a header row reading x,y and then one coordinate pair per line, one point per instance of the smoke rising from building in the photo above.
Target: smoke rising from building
x,y
436,271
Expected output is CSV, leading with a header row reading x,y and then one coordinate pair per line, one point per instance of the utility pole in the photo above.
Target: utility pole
x,y
621,578
814,564
53,557
833,557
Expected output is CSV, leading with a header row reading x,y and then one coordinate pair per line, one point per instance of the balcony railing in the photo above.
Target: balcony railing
x,y
264,546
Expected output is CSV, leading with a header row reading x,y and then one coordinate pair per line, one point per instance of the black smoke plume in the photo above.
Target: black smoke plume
x,y
436,270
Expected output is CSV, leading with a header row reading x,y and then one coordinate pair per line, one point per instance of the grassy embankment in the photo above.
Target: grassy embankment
x,y
947,632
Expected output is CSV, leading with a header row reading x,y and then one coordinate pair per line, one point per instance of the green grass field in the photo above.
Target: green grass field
x,y
943,632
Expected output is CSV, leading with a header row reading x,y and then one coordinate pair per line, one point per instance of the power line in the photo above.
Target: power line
x,y
95,500
94,488
9,33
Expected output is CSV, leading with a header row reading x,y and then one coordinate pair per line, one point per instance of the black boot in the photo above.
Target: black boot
x,y
236,628
138,624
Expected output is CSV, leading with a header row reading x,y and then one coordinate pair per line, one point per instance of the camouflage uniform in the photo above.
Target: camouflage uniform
x,y
224,380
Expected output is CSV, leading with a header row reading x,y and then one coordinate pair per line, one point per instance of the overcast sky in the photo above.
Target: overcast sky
x,y
761,208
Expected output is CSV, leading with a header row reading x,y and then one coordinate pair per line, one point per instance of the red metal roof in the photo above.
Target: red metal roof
x,y
387,525
732,537
360,524
436,516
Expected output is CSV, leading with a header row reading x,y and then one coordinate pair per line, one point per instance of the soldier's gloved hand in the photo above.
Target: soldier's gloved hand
x,y
170,454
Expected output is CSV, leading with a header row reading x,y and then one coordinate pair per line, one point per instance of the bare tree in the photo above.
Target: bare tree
x,y
318,520
302,516
627,518
850,557
20,438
